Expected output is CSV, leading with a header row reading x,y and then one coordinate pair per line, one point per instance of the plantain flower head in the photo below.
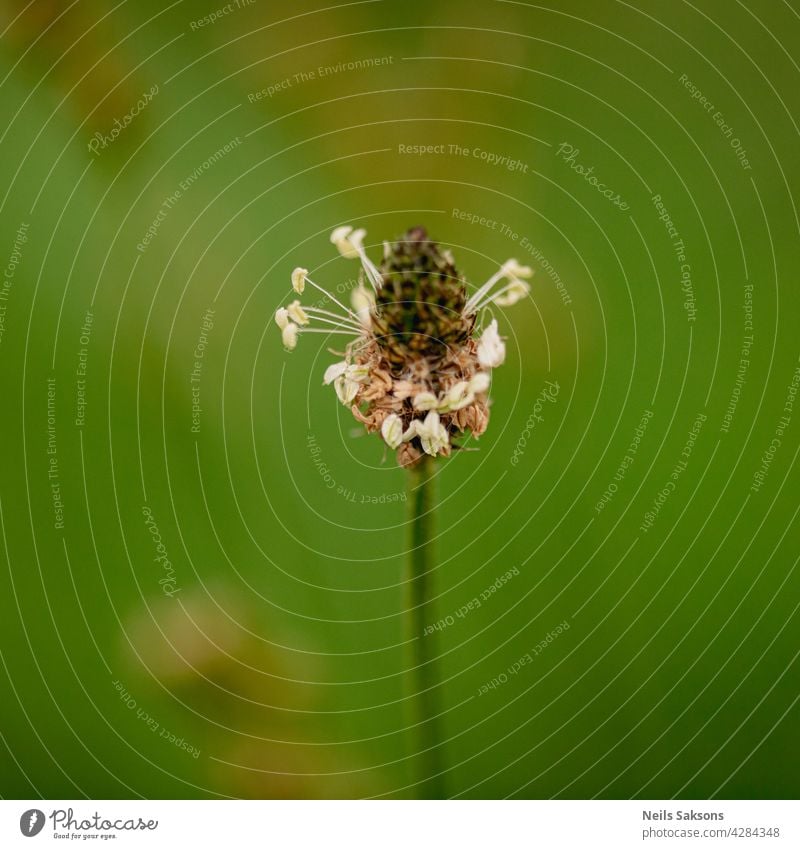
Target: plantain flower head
x,y
418,359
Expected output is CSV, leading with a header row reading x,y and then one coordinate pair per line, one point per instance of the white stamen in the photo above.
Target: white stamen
x,y
349,243
281,317
432,434
479,382
478,296
359,373
299,276
369,267
334,371
338,322
491,349
363,303
347,240
354,333
514,291
314,311
392,430
511,268
512,271
411,431
297,313
289,336
328,295
346,390
425,401
458,396
346,379
349,382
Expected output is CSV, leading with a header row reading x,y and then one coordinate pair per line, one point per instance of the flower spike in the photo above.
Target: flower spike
x,y
414,370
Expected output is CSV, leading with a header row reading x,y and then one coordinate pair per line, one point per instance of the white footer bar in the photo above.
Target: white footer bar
x,y
402,824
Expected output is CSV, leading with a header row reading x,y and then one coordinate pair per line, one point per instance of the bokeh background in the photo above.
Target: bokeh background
x,y
270,656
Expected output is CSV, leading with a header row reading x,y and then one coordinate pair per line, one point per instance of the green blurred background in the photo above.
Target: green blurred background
x,y
277,666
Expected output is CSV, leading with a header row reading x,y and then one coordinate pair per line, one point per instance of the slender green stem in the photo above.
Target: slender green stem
x,y
420,558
